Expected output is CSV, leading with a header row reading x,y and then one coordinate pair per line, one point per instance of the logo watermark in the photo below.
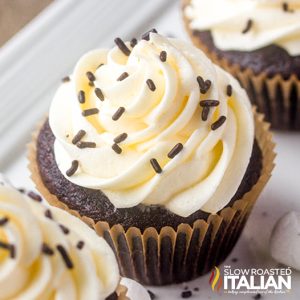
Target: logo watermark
x,y
251,281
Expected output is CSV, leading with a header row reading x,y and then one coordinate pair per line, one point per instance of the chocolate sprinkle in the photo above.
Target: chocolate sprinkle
x,y
48,214
66,79
47,250
122,76
175,150
218,123
99,94
12,251
205,112
83,145
73,168
248,26
64,229
65,256
80,245
155,165
122,46
4,221
204,85
133,42
79,135
229,90
34,196
120,138
146,35
186,294
9,247
117,115
285,7
91,77
209,103
117,148
163,56
90,112
81,97
151,85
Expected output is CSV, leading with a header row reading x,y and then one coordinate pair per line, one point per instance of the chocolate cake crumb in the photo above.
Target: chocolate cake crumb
x,y
186,294
65,79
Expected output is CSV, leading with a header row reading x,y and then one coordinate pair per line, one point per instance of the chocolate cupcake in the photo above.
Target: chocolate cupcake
x,y
157,149
245,38
45,253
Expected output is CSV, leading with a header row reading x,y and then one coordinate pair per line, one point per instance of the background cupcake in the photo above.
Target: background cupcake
x,y
46,253
245,38
157,149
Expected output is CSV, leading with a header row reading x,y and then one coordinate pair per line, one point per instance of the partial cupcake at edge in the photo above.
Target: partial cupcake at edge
x,y
46,253
158,150
259,43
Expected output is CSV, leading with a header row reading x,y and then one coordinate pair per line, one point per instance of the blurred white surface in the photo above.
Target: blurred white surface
x,y
32,65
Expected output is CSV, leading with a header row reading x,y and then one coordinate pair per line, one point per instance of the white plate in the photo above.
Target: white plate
x,y
32,65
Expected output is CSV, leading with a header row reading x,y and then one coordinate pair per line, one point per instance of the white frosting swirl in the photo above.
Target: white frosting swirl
x,y
226,19
32,274
205,174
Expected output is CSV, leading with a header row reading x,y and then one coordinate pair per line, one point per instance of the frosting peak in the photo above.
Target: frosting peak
x,y
227,20
153,124
42,259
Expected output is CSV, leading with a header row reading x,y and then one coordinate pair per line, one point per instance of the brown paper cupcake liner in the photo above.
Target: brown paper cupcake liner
x,y
277,97
162,257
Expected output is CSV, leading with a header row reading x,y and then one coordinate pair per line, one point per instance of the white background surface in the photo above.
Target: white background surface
x,y
31,66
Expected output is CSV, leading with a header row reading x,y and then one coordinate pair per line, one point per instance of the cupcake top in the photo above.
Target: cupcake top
x,y
40,258
248,25
153,122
